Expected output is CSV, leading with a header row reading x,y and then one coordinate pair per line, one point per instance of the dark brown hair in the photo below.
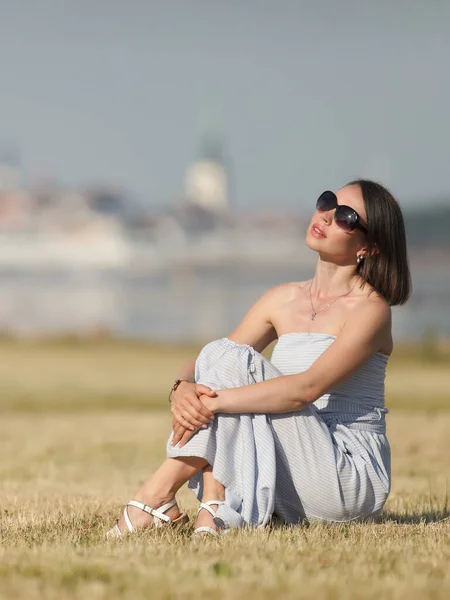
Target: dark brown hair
x,y
388,270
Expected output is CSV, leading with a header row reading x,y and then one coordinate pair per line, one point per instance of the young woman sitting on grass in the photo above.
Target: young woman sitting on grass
x,y
301,436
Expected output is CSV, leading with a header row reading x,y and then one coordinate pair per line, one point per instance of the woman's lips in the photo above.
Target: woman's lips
x,y
317,231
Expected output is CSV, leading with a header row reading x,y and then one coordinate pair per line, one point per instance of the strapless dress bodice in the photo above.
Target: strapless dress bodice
x,y
361,394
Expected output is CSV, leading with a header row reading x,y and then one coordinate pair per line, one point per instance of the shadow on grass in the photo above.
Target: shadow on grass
x,y
415,518
424,517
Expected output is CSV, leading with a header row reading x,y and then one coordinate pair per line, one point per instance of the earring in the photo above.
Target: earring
x,y
359,258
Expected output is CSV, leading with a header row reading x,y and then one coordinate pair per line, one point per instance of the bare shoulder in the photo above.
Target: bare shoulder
x,y
284,293
256,328
372,314
373,306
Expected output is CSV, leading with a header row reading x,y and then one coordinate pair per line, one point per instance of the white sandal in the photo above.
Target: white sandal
x,y
207,506
158,517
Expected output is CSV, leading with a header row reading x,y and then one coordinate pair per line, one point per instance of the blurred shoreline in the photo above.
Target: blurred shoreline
x,y
183,303
86,260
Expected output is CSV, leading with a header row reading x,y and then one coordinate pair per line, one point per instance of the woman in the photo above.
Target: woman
x,y
303,436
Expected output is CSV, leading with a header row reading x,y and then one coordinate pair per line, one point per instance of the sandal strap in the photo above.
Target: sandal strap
x,y
155,513
207,506
128,523
114,532
206,530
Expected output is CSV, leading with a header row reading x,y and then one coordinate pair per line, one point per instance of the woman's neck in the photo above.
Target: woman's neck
x,y
332,280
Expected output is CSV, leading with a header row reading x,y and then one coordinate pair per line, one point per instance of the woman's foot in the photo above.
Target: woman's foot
x,y
155,504
204,525
139,514
213,496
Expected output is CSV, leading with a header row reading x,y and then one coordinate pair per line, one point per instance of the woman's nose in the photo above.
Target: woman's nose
x,y
327,216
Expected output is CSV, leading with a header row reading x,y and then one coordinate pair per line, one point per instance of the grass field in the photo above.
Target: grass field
x,y
83,423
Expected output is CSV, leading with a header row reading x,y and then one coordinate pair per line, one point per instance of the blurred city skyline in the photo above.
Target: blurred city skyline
x,y
304,95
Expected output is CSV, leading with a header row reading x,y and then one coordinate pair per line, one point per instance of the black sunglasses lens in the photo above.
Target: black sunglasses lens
x,y
346,218
326,201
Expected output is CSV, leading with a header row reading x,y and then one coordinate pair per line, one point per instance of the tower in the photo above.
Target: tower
x,y
207,182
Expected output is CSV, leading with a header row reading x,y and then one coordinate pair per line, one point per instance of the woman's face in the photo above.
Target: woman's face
x,y
327,238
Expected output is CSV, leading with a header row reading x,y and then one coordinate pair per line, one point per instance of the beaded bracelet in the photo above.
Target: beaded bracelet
x,y
175,386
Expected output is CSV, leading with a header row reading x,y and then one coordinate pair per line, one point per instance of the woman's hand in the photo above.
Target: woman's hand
x,y
181,435
187,409
213,403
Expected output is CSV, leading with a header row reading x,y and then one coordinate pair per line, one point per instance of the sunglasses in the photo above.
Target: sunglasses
x,y
346,217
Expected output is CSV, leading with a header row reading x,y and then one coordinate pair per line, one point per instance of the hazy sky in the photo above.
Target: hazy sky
x,y
307,94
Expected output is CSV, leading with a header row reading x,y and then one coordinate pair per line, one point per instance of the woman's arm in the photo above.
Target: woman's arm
x,y
185,401
361,337
187,371
256,330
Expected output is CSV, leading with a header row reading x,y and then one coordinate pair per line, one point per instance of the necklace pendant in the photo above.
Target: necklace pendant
x,y
313,316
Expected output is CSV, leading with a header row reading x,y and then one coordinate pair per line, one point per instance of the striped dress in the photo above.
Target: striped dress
x,y
328,462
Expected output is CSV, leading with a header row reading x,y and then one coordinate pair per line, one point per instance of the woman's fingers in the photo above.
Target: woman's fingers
x,y
176,426
186,437
181,435
189,413
181,413
178,434
204,389
202,409
178,431
187,409
186,419
198,410
194,411
182,420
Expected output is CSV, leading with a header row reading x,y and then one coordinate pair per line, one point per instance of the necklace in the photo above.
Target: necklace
x,y
316,312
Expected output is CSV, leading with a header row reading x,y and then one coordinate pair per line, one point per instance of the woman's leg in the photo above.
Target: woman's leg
x,y
240,448
212,490
161,487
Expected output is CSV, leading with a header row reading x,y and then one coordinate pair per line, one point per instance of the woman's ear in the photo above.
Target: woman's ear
x,y
369,252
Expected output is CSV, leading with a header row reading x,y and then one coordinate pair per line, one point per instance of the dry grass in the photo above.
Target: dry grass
x,y
82,376
68,464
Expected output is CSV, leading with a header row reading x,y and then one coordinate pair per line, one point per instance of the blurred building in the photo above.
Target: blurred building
x,y
84,259
206,178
